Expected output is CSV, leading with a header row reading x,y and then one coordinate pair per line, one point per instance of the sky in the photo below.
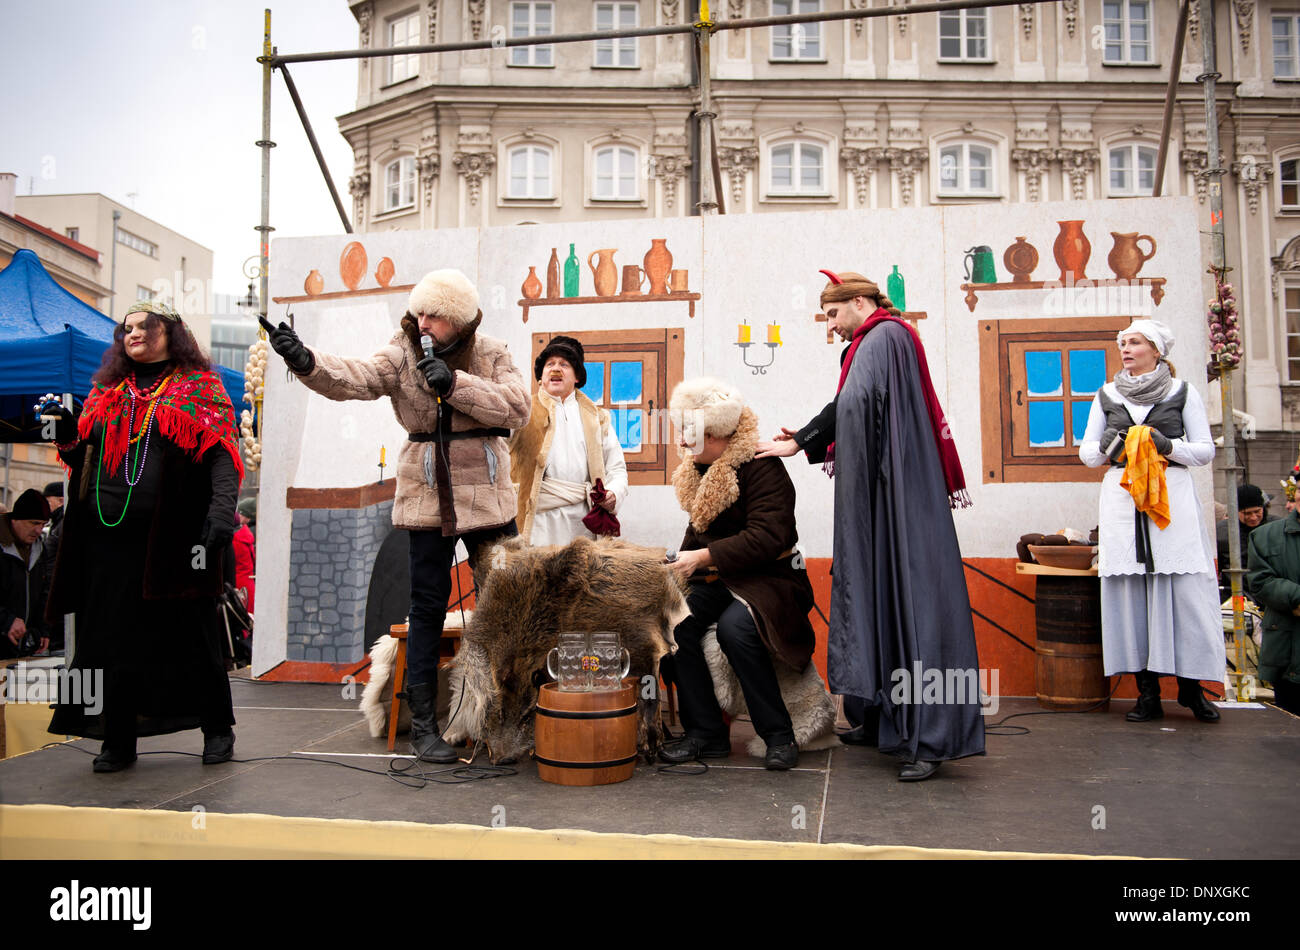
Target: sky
x,y
162,99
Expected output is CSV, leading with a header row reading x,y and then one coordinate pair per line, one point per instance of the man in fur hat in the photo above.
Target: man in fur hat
x,y
23,582
566,447
743,573
459,404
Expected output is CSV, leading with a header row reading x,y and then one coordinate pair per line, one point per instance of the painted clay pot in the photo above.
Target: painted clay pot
x,y
352,265
532,287
658,264
385,271
314,283
604,273
553,275
1072,250
1126,258
1021,258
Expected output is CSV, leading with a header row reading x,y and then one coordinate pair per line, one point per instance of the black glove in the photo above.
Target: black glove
x,y
217,533
1162,442
437,374
1108,436
65,429
286,342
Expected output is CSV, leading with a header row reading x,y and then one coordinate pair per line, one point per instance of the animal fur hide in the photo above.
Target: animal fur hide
x,y
527,597
811,707
377,697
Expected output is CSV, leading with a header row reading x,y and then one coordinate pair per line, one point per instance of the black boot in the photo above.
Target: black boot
x,y
1148,705
426,739
1192,696
114,756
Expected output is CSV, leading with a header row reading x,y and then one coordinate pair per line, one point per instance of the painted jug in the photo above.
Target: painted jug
x,y
604,273
979,265
1072,250
1126,258
658,264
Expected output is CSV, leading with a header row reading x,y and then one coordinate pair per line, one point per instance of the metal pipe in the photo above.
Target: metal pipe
x,y
936,6
264,229
112,281
1218,267
315,147
1170,92
702,28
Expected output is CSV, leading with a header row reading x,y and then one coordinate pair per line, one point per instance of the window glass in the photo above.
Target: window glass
x,y
625,382
1087,371
1046,424
1043,372
595,388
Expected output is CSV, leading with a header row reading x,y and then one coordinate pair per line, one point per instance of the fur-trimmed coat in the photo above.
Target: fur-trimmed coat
x,y
488,391
742,510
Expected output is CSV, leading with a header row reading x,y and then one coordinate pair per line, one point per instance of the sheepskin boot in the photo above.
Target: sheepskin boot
x,y
1148,705
426,738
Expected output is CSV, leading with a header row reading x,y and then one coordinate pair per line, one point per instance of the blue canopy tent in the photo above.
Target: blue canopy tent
x,y
51,342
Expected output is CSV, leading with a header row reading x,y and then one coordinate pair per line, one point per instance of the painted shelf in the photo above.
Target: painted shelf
x,y
344,294
1157,285
688,296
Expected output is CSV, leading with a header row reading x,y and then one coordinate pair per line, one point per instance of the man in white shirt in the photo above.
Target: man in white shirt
x,y
567,445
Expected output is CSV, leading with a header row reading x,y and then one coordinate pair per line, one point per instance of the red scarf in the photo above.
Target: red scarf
x,y
958,497
193,412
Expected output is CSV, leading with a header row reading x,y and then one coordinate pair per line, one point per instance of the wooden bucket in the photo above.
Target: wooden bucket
x,y
586,738
1071,674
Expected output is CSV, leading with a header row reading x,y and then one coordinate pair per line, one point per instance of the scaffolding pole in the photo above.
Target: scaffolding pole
x,y
265,144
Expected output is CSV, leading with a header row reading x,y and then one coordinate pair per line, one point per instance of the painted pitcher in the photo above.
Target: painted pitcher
x,y
604,273
1072,250
658,264
1126,258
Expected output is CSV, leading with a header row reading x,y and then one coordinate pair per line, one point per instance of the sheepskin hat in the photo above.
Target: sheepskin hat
x,y
705,406
447,294
569,350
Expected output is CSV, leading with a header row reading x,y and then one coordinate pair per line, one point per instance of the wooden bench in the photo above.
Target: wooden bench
x,y
451,634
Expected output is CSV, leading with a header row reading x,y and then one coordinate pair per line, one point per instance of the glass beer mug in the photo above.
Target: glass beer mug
x,y
608,667
568,662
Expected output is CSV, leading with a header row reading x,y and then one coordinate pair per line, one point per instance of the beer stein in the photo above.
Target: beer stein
x,y
568,663
609,661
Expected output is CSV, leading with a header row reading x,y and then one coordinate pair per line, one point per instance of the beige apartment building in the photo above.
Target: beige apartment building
x,y
139,257
1029,102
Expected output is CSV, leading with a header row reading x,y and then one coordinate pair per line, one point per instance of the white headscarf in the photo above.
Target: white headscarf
x,y
1161,337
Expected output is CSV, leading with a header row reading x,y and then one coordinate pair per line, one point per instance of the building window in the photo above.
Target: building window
x,y
530,172
1286,47
1291,314
797,168
1132,171
143,293
630,374
399,184
615,174
73,234
964,35
621,52
1127,25
966,169
532,19
231,342
137,243
796,41
1288,181
1046,373
403,31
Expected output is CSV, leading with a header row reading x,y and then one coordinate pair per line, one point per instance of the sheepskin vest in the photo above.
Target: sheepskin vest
x,y
531,446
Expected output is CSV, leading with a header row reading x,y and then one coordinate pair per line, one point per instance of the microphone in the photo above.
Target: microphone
x,y
426,344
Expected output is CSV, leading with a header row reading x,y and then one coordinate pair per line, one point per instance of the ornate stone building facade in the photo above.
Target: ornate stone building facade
x,y
1025,103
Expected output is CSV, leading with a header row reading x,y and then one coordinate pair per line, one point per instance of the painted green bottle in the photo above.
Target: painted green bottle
x,y
571,274
895,289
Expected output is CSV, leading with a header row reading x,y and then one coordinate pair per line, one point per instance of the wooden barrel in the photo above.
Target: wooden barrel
x,y
1071,675
586,738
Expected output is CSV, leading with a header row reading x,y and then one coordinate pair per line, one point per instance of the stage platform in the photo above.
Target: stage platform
x,y
1077,784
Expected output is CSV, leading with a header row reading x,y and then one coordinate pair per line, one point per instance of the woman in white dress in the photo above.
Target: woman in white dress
x,y
1159,599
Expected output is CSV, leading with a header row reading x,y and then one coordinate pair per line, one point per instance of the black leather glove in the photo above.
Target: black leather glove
x,y
437,374
1108,436
65,429
1162,442
217,533
286,342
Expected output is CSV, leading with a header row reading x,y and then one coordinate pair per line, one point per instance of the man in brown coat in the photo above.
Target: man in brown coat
x,y
458,394
744,575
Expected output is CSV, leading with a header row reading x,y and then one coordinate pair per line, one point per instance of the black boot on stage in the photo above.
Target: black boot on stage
x,y
1192,696
1148,705
917,771
114,757
218,749
426,739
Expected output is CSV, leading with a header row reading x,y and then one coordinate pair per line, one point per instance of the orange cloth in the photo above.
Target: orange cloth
x,y
1144,475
